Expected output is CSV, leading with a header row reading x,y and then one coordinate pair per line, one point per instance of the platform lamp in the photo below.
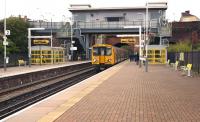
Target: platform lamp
x,y
71,24
5,38
146,39
144,34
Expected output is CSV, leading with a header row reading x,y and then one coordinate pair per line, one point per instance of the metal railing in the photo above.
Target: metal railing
x,y
120,24
94,24
63,26
165,31
189,58
47,25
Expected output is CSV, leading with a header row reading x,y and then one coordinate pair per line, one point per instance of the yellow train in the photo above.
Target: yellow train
x,y
104,55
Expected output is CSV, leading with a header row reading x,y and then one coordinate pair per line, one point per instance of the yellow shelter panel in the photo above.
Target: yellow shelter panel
x,y
156,56
47,56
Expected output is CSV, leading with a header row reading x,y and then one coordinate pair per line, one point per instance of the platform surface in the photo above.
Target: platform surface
x,y
10,71
124,93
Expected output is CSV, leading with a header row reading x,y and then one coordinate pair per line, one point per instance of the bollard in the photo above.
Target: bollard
x,y
189,73
175,67
140,63
146,65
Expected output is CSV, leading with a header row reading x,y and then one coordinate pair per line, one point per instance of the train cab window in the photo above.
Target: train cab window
x,y
108,51
102,51
95,51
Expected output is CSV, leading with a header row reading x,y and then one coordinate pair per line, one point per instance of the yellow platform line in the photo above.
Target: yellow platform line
x,y
52,116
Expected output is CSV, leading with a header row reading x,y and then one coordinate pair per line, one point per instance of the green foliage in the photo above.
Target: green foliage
x,y
196,47
18,38
180,47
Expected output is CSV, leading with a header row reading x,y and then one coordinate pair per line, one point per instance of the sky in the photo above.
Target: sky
x,y
58,9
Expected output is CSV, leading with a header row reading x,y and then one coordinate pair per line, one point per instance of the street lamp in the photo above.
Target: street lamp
x,y
4,37
146,39
51,31
71,24
29,42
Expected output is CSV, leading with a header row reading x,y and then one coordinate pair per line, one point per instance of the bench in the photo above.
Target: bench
x,y
21,62
175,65
187,68
168,63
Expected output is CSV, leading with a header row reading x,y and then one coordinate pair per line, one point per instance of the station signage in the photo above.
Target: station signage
x,y
128,40
40,42
73,48
7,32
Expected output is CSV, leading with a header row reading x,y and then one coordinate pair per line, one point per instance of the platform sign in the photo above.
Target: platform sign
x,y
128,40
7,32
7,60
73,48
41,42
181,58
5,43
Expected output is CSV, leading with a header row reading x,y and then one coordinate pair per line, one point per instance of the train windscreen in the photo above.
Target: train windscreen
x,y
102,51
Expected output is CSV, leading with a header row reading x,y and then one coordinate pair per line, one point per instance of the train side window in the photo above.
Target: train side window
x,y
95,51
108,51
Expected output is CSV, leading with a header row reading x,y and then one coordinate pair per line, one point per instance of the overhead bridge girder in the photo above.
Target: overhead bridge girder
x,y
115,31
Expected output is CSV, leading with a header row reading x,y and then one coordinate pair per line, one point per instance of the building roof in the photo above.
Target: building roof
x,y
152,5
187,17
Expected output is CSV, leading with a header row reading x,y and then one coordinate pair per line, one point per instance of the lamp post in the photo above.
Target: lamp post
x,y
4,37
144,35
29,42
51,31
146,39
71,24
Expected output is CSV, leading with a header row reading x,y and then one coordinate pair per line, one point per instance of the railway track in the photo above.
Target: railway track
x,y
19,98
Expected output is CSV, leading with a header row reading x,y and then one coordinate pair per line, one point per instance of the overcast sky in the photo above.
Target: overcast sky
x,y
58,9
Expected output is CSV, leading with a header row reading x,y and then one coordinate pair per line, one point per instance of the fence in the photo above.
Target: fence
x,y
47,25
13,59
188,57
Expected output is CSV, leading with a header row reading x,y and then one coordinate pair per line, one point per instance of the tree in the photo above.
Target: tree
x,y
18,38
180,47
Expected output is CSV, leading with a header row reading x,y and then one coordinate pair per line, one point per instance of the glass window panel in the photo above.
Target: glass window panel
x,y
95,51
108,51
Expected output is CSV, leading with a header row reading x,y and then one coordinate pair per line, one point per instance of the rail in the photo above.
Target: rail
x,y
40,90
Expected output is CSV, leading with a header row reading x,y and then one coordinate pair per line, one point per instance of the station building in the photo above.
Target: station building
x,y
111,25
114,25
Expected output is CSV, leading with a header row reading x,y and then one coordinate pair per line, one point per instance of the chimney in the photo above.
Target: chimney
x,y
187,12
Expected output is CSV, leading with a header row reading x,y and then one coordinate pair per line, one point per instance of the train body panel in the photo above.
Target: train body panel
x,y
104,55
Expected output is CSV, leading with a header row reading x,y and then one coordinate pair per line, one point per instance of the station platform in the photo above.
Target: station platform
x,y
124,93
11,71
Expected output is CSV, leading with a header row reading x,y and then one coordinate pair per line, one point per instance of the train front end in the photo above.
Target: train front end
x,y
103,56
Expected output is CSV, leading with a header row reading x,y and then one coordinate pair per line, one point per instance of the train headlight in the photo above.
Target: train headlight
x,y
109,60
94,60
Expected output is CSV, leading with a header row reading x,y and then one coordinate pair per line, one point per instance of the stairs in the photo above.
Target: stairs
x,y
65,33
